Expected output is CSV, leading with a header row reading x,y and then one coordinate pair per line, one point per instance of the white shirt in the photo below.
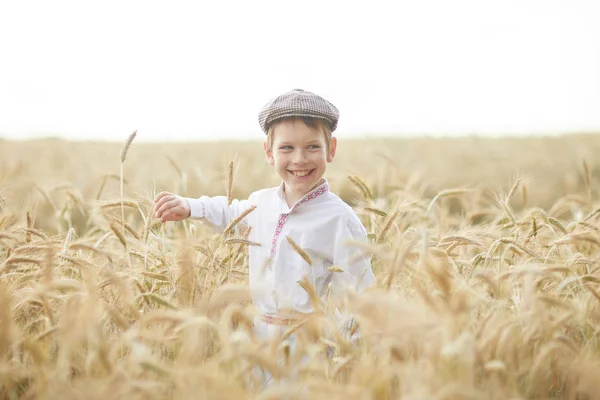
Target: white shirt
x,y
320,223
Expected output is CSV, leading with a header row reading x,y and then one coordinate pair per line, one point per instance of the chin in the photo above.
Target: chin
x,y
304,187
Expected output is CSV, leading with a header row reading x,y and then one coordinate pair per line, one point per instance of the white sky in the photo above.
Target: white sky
x,y
182,70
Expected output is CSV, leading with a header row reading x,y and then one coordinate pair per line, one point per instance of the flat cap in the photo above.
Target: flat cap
x,y
298,103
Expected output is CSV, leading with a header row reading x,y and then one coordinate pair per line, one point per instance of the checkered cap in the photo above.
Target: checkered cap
x,y
298,103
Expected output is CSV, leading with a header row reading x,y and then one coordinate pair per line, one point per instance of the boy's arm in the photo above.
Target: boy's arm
x,y
215,212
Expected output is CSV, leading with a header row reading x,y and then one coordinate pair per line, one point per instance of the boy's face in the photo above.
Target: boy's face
x,y
299,155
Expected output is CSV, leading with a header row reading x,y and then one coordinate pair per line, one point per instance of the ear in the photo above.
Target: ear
x,y
332,149
268,153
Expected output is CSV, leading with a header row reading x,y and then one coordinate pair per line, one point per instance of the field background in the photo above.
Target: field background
x,y
504,304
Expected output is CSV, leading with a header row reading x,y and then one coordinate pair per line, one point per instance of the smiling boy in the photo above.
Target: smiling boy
x,y
299,144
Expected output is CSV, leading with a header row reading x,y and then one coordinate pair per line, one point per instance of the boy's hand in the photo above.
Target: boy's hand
x,y
171,207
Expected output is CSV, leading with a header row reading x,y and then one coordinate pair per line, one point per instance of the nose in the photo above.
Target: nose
x,y
299,156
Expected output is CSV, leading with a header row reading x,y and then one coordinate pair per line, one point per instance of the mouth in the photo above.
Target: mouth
x,y
302,174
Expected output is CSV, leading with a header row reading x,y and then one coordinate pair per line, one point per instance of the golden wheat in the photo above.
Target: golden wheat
x,y
504,302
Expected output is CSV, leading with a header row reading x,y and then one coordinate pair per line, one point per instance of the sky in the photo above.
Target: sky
x,y
202,70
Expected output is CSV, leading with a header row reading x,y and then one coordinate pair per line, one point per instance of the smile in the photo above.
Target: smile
x,y
301,174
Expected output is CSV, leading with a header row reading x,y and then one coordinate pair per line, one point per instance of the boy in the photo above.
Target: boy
x,y
299,144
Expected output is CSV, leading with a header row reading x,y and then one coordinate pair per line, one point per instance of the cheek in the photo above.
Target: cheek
x,y
279,158
320,156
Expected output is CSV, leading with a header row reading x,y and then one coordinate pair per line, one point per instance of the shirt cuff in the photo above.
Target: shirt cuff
x,y
197,208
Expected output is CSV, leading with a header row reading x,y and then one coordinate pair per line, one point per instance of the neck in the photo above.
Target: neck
x,y
292,197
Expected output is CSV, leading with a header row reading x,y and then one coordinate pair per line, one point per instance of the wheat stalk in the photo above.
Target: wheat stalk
x,y
124,151
387,226
299,250
238,219
230,177
119,234
587,176
362,187
376,211
236,240
29,227
124,203
68,240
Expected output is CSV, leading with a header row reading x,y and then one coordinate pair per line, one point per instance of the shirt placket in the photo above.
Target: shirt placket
x,y
283,218
280,224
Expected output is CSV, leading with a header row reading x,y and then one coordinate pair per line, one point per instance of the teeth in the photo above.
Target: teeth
x,y
300,173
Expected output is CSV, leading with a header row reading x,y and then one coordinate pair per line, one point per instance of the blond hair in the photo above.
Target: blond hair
x,y
315,124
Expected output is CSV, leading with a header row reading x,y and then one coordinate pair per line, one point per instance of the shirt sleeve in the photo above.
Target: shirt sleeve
x,y
215,212
357,274
351,258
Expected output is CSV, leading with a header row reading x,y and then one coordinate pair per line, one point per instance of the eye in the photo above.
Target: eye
x,y
314,146
285,147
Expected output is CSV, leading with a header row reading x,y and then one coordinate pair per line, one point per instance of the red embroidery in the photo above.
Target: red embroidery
x,y
284,217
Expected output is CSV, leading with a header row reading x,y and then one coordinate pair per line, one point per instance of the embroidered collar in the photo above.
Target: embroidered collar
x,y
283,217
316,192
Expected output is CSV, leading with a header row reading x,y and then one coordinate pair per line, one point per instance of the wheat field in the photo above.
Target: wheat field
x,y
486,253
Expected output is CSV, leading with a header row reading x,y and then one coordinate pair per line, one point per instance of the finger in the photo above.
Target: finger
x,y
163,200
169,205
161,195
164,218
162,215
159,202
159,213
